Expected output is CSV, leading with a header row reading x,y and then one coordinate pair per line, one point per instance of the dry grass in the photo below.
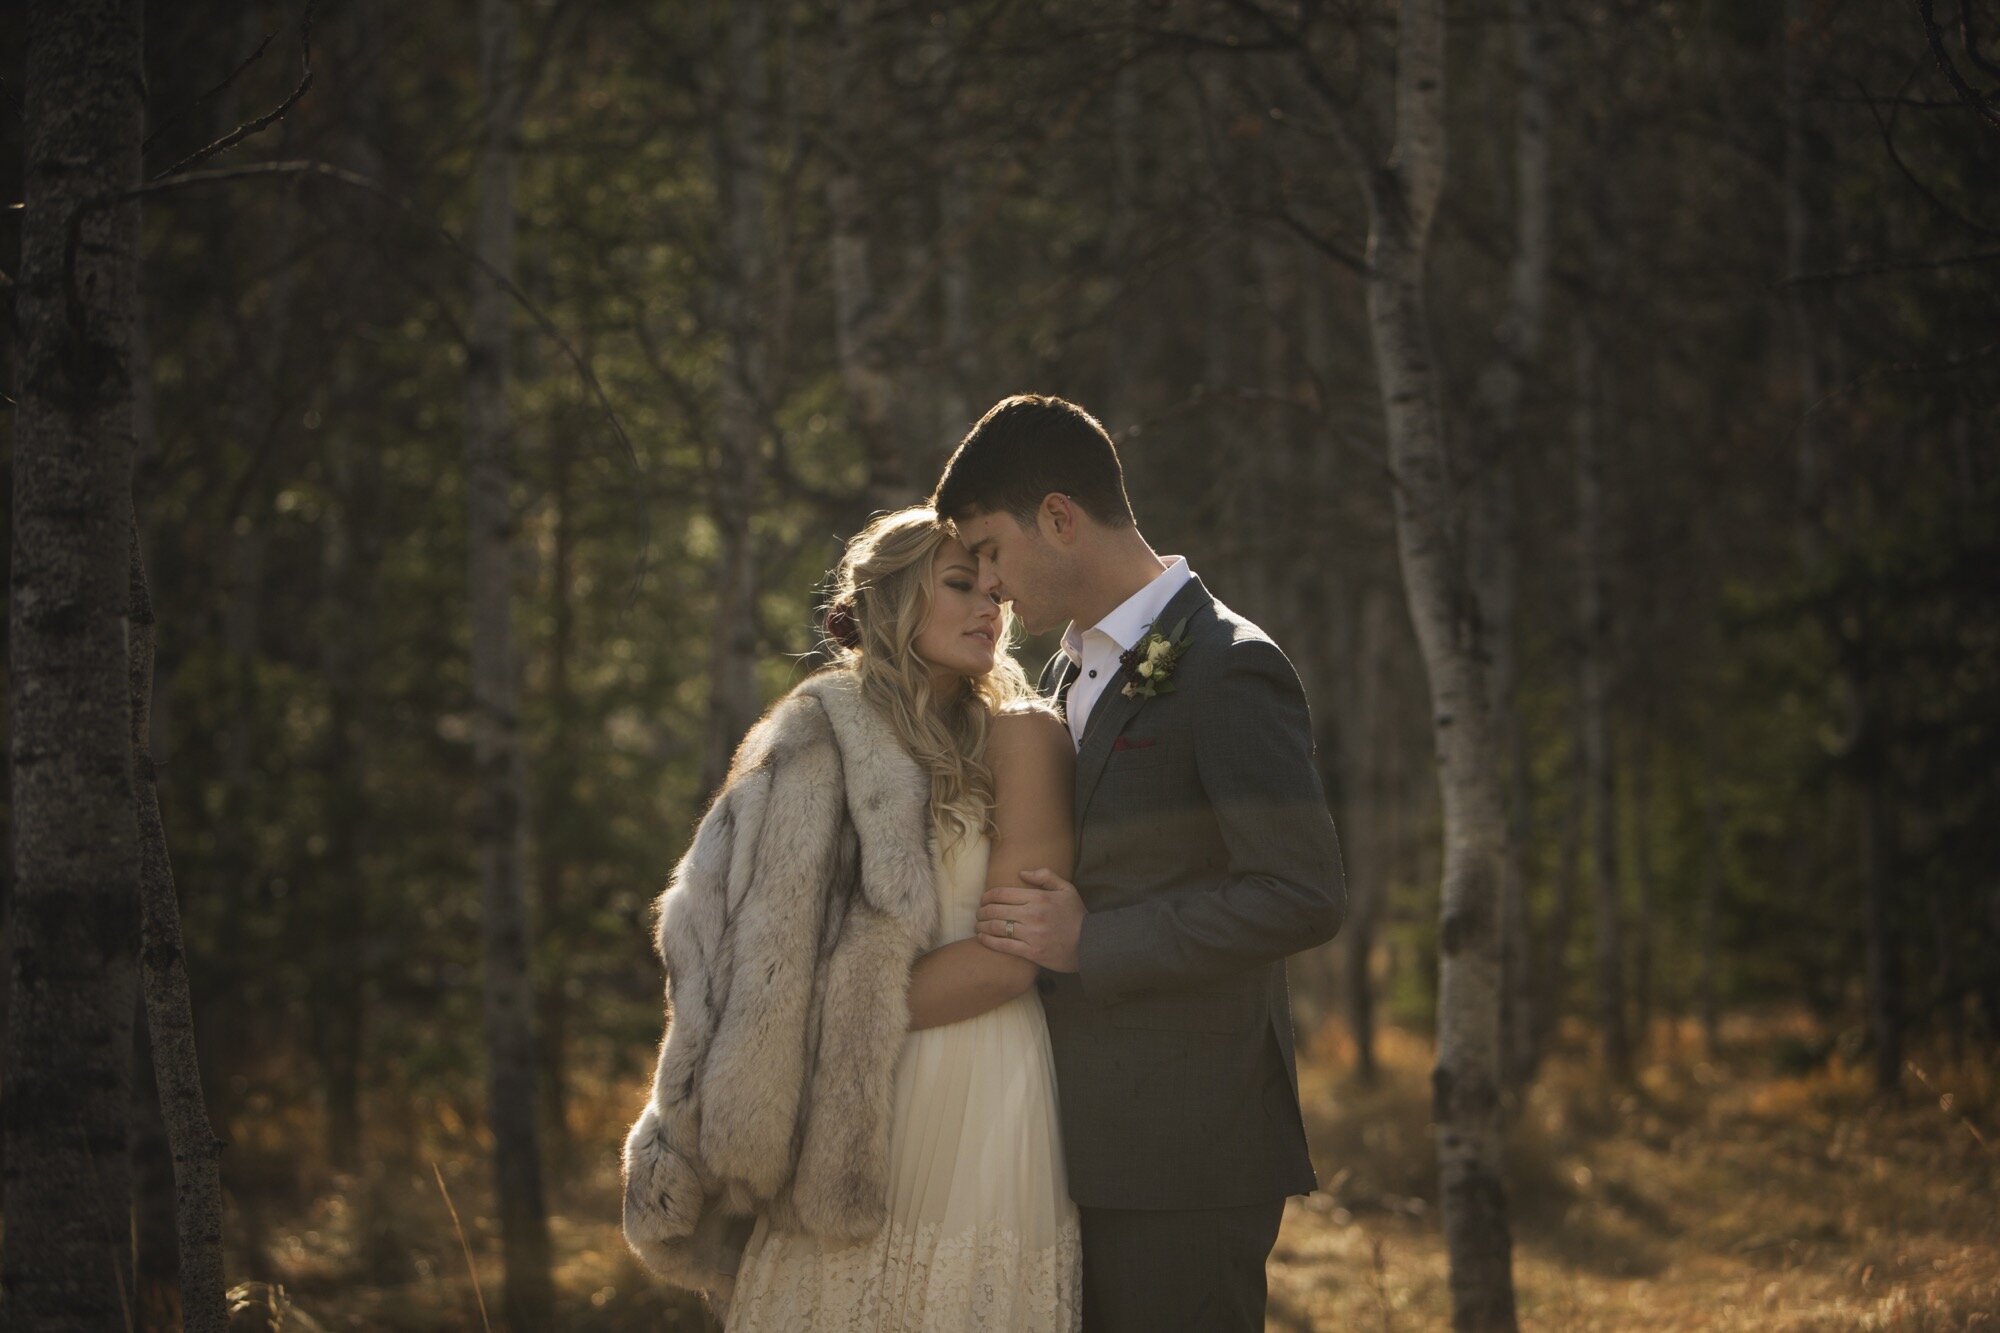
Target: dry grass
x,y
1714,1195
1766,1190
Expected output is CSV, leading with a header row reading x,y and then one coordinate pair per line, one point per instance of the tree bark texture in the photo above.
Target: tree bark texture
x,y
1402,198
1798,310
352,553
156,1251
1493,511
1884,961
169,1007
1594,700
156,1255
497,754
1642,886
72,931
1712,880
1376,799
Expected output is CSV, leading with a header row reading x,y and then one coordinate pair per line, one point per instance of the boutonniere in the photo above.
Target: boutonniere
x,y
1151,662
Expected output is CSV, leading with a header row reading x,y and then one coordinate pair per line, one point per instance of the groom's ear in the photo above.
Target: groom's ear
x,y
1057,518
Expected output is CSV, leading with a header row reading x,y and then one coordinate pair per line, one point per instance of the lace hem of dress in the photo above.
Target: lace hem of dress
x,y
914,1281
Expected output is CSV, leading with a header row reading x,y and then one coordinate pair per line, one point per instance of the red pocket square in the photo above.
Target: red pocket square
x,y
1131,742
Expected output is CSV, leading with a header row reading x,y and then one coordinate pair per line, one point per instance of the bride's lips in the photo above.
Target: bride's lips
x,y
985,635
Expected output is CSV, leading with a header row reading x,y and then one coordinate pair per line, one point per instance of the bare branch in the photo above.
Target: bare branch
x,y
271,117
1977,101
1887,266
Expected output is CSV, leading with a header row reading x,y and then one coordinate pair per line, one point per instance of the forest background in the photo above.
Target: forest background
x,y
465,590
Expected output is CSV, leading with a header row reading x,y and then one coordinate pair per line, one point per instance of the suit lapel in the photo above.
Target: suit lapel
x,y
1113,710
1058,674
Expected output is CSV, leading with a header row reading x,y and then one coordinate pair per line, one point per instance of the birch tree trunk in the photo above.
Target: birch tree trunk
x,y
741,172
1593,700
72,928
495,713
1402,197
169,1008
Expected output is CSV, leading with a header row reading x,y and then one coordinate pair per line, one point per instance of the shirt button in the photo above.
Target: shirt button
x,y
1093,675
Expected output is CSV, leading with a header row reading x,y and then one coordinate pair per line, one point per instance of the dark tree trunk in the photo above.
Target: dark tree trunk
x,y
1642,875
498,832
156,1251
554,811
1498,444
1378,803
169,1008
352,555
1551,948
1885,972
72,932
1594,700
1711,901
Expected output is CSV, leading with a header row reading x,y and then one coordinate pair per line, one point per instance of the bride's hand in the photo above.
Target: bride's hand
x,y
1046,919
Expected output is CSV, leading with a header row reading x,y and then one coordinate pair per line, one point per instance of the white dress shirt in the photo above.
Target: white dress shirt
x,y
1098,648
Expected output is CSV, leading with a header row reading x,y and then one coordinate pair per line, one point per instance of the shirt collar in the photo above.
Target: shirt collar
x,y
1127,624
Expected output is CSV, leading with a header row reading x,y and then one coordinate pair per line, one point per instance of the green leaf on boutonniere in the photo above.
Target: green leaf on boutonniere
x,y
1151,662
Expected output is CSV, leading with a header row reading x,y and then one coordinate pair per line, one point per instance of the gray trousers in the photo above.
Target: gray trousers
x,y
1200,1270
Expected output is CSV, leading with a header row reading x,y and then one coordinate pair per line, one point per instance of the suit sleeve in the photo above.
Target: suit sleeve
x,y
1282,889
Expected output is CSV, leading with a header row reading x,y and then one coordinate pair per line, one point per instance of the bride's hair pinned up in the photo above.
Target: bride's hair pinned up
x,y
882,595
841,629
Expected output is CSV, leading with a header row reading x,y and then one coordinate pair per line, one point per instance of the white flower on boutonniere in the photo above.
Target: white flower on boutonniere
x,y
1152,661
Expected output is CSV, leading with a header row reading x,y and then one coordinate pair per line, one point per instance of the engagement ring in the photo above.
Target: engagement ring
x,y
1010,928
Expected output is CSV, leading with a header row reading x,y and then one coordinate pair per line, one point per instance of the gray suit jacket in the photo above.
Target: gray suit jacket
x,y
1205,855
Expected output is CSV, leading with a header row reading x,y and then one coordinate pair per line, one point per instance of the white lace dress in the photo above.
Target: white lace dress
x,y
981,1232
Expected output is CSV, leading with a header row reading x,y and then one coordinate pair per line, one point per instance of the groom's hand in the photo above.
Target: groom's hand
x,y
1047,920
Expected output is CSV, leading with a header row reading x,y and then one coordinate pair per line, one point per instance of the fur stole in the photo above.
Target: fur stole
x,y
787,932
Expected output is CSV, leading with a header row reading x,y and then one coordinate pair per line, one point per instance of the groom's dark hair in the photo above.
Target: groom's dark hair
x,y
1022,449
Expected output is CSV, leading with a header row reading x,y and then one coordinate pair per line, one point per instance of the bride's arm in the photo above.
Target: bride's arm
x,y
1034,776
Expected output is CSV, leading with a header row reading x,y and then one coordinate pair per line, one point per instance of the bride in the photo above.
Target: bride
x,y
853,1122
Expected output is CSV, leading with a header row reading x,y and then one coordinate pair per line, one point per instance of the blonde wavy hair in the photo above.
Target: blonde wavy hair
x,y
882,594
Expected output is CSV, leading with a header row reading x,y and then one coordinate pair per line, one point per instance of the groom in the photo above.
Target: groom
x,y
1204,855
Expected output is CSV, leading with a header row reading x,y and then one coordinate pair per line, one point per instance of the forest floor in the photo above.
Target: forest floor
x,y
1767,1189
